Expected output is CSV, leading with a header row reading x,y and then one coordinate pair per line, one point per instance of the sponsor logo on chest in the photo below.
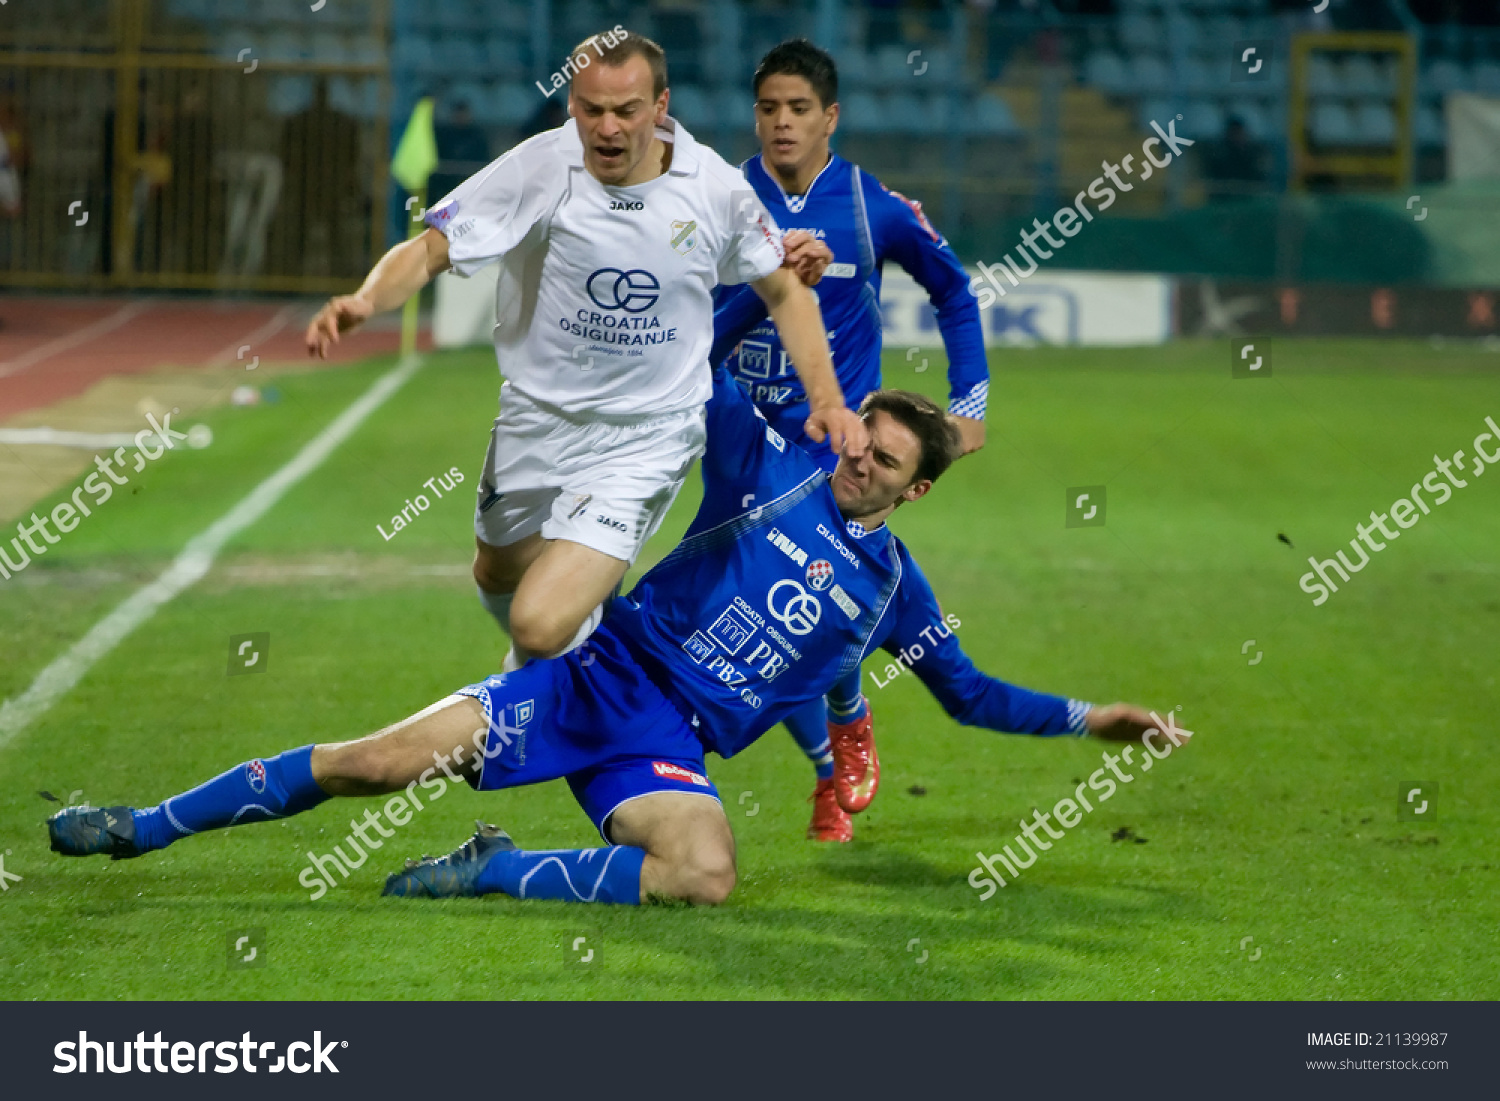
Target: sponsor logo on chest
x,y
787,547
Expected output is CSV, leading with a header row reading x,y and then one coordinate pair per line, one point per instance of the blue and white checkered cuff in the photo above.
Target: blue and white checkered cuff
x,y
1078,711
973,403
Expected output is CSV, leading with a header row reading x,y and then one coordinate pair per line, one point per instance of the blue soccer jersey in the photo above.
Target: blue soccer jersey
x,y
772,596
864,224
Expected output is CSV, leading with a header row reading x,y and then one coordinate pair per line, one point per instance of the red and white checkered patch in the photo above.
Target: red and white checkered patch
x,y
255,775
820,573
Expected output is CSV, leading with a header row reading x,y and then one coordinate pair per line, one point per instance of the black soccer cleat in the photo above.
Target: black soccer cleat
x,y
93,831
454,875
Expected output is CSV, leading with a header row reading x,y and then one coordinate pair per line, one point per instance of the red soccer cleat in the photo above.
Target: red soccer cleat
x,y
856,765
829,822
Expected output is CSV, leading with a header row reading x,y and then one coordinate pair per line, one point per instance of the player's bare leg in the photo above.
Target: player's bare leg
x,y
669,847
452,730
689,846
556,588
448,738
497,575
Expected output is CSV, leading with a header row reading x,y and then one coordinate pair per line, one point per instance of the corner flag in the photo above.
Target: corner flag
x,y
416,153
416,157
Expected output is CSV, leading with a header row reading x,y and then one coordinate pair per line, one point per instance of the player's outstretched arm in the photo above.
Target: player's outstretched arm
x,y
400,273
906,235
738,310
1125,722
970,432
806,255
795,312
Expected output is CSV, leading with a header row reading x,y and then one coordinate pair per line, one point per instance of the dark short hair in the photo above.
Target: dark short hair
x,y
936,434
623,49
799,57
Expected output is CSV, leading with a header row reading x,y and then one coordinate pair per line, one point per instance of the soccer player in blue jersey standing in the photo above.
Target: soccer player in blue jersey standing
x,y
807,187
784,581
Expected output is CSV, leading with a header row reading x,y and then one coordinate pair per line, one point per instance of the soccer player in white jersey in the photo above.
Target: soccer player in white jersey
x,y
612,232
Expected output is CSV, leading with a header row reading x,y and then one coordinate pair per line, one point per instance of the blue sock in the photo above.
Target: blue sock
x,y
809,727
571,875
255,791
846,702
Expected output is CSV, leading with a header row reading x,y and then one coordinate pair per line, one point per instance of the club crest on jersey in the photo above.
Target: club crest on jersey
x,y
819,574
255,776
677,772
684,237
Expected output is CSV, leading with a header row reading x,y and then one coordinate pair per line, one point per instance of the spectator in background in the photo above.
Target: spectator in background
x,y
178,167
1234,166
10,182
324,195
463,148
10,186
549,116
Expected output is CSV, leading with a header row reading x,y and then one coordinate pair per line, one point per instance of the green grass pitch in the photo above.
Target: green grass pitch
x,y
1279,823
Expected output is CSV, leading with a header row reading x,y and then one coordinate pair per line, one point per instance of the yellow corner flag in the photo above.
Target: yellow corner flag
x,y
416,153
416,157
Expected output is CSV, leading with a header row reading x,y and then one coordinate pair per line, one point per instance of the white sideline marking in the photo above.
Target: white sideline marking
x,y
60,437
72,340
55,681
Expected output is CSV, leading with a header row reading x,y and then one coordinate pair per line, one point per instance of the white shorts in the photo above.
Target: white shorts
x,y
605,484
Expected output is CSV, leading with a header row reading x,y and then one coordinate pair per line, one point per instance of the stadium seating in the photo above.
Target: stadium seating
x,y
1107,72
1331,124
690,105
992,117
1430,130
1444,76
1486,76
1155,58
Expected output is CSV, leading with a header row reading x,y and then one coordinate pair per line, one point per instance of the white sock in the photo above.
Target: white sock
x,y
498,605
587,627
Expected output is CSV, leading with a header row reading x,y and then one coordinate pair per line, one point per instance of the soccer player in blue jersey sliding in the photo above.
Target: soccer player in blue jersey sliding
x,y
798,178
784,581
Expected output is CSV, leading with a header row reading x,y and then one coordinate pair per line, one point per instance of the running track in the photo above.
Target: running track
x,y
53,348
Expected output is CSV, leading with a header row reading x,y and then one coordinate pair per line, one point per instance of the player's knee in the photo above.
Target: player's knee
x,y
540,631
491,573
708,877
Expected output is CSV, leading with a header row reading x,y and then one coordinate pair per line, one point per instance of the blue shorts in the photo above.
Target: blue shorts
x,y
593,717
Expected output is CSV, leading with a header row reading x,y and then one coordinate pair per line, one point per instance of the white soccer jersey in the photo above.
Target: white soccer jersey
x,y
604,304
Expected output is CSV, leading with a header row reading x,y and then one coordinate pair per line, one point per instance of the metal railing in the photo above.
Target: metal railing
x,y
154,153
